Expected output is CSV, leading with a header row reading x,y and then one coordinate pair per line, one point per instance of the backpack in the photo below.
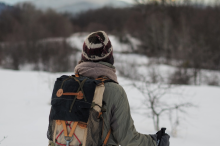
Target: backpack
x,y
76,113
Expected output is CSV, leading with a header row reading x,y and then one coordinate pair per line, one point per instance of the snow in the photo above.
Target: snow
x,y
24,110
25,99
77,40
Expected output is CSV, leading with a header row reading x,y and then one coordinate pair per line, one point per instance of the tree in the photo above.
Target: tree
x,y
162,99
3,139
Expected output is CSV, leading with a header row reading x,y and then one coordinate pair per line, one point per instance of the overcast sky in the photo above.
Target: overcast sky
x,y
51,2
61,1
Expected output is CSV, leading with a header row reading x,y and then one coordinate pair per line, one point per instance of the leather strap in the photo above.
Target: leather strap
x,y
72,93
79,94
106,138
100,113
73,129
65,129
103,78
82,125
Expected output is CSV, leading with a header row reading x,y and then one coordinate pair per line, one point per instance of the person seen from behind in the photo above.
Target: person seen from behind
x,y
97,60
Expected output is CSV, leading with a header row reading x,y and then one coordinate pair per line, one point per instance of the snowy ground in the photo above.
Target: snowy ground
x,y
25,98
24,110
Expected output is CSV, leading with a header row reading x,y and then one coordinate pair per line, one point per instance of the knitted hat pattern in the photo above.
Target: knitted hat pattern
x,y
97,47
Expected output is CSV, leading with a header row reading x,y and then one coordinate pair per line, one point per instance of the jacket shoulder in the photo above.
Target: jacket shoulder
x,y
114,92
111,86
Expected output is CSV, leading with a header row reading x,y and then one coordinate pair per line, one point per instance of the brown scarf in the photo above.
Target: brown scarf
x,y
95,70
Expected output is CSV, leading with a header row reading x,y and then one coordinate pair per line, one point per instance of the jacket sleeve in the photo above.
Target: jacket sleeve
x,y
122,125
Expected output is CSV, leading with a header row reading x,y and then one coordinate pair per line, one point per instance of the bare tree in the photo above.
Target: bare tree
x,y
161,99
3,139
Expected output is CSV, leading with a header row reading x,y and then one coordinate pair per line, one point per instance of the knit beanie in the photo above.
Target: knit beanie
x,y
97,47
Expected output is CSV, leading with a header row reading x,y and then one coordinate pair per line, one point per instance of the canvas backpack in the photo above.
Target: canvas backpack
x,y
76,112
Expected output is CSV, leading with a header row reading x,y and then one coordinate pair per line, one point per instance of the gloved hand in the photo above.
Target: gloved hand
x,y
161,138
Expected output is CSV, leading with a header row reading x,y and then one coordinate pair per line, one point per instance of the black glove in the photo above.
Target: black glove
x,y
161,138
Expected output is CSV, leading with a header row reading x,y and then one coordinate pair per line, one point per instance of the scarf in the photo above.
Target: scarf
x,y
95,70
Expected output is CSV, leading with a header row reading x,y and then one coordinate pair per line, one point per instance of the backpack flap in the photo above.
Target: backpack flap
x,y
68,107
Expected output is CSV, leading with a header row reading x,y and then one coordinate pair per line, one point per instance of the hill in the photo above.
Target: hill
x,y
77,6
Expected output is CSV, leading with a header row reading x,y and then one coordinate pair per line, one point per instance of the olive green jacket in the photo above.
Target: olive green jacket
x,y
118,118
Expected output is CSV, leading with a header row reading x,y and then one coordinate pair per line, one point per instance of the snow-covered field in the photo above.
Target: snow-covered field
x,y
25,100
24,110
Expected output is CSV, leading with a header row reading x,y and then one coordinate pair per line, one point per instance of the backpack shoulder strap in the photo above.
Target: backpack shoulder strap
x,y
106,138
76,75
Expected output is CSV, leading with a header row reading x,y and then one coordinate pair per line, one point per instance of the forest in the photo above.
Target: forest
x,y
184,36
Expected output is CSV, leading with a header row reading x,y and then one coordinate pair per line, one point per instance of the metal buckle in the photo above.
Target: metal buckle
x,y
69,140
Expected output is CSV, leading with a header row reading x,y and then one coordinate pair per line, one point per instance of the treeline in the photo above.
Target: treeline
x,y
26,23
187,34
182,35
52,56
23,39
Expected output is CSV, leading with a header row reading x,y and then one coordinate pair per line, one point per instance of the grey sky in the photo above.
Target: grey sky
x,y
57,1
72,6
53,3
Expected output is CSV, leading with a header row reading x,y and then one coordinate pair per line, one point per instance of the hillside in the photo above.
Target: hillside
x,y
78,6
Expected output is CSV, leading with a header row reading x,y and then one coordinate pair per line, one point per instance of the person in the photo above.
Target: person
x,y
97,60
